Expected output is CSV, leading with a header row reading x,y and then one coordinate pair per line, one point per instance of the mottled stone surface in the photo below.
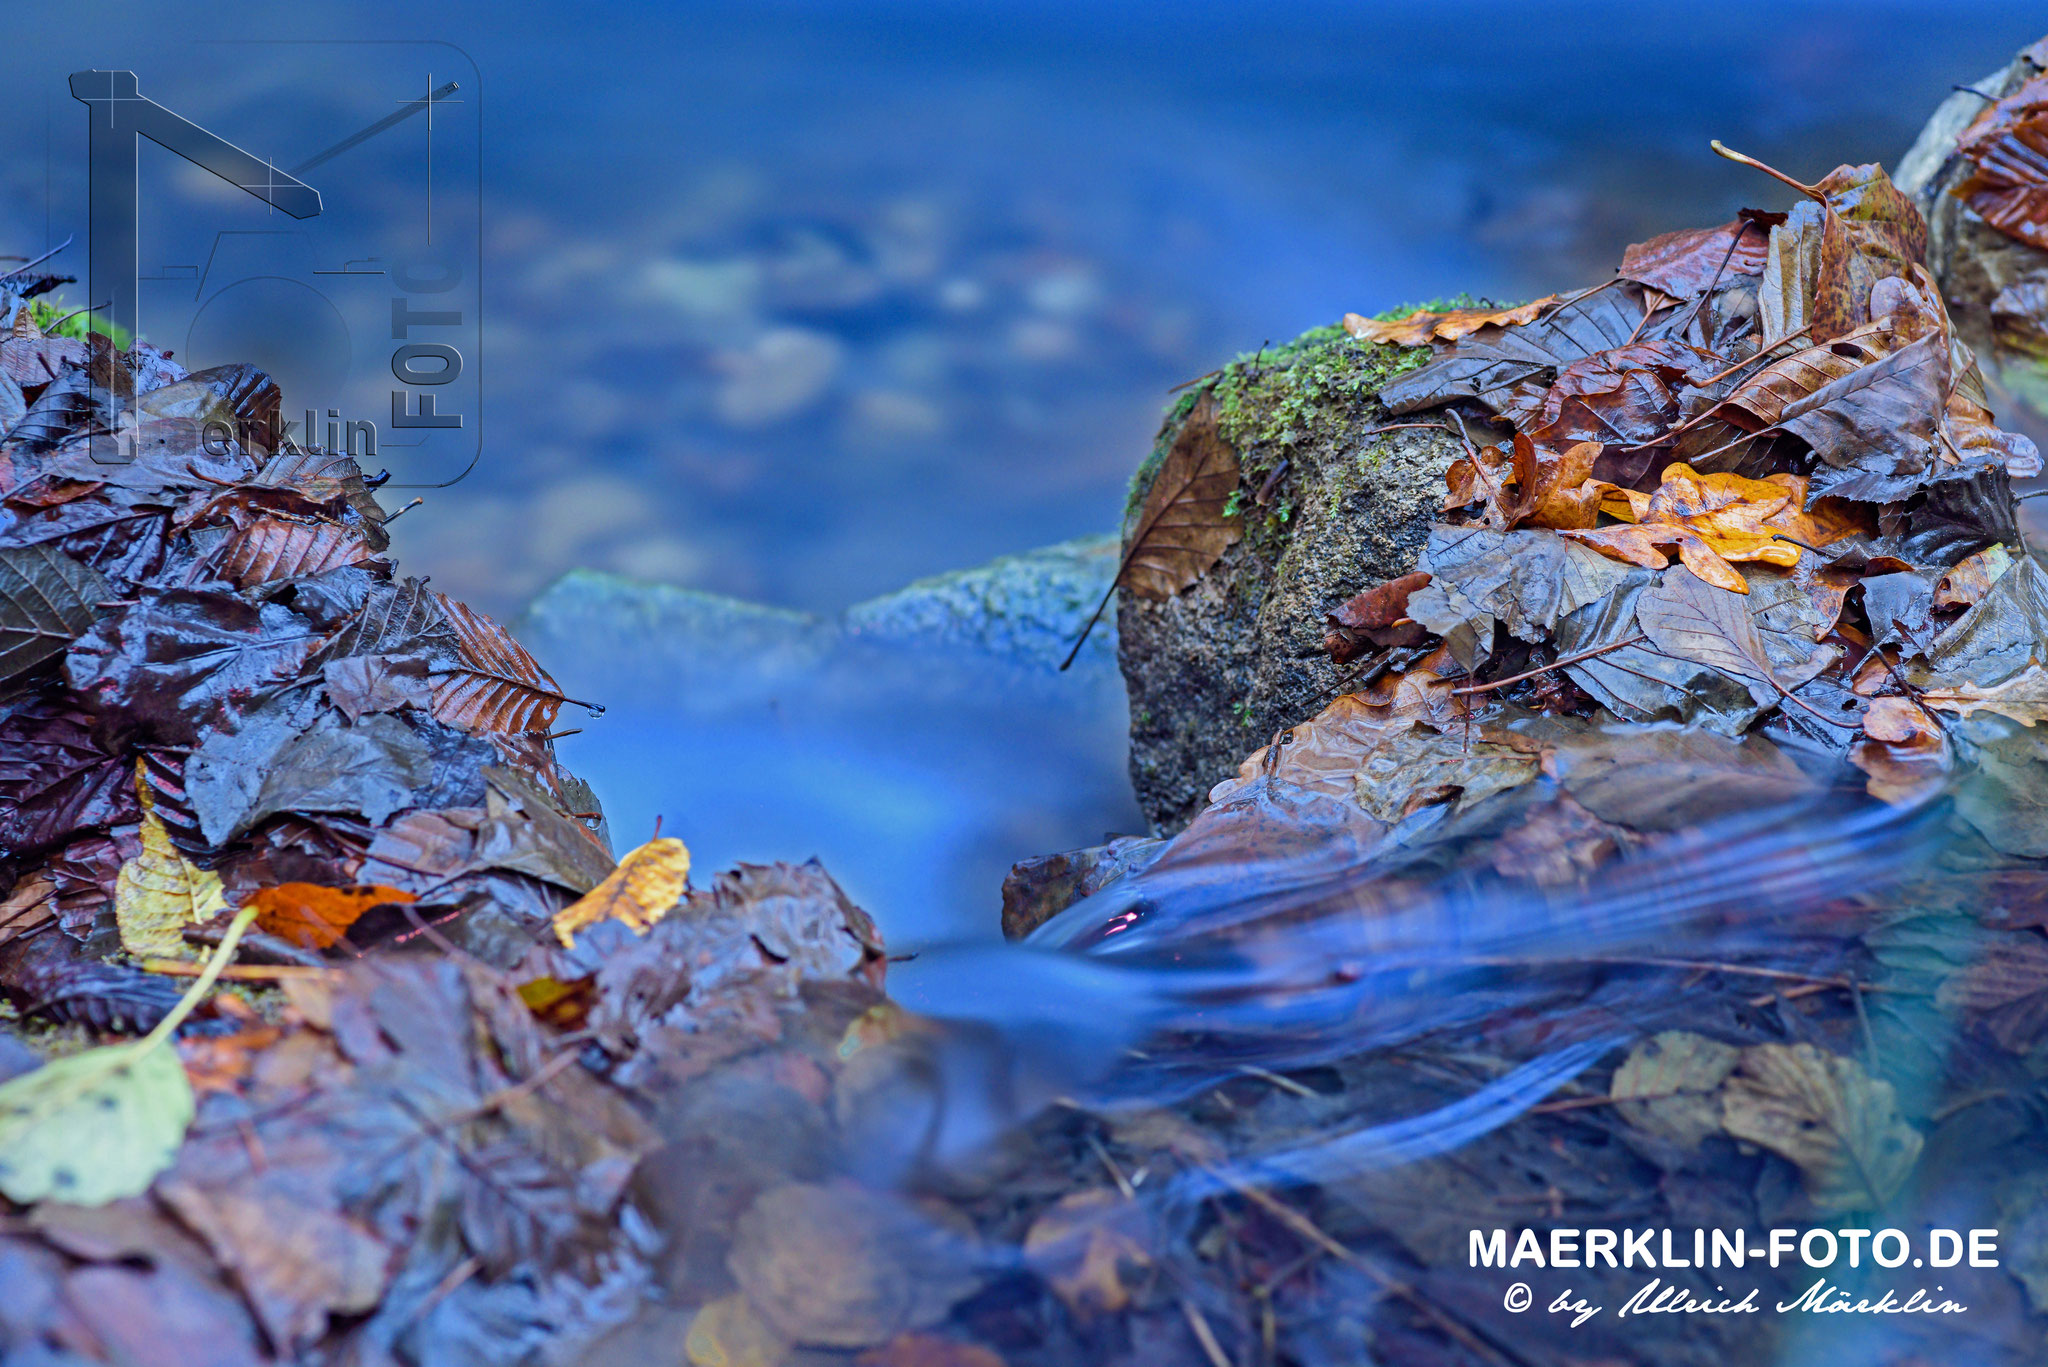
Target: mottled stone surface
x,y
1214,671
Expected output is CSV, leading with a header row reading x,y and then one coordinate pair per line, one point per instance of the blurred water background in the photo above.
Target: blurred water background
x,y
797,303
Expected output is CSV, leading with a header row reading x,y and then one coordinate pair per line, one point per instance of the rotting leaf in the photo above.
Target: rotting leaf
x,y
314,916
47,601
647,883
1826,1115
1669,1086
1085,1246
1377,617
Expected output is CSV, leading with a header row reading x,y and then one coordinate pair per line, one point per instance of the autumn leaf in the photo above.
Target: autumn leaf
x,y
1711,520
314,916
1670,1086
96,1126
1971,579
158,892
47,600
1422,326
274,548
1084,1246
640,891
2023,697
2007,148
493,685
1829,1117
1869,231
1378,616
1183,527
1688,262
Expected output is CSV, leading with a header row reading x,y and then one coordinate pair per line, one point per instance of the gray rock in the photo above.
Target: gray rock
x,y
1214,671
1025,608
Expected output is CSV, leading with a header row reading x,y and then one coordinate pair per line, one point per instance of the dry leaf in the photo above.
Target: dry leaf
x,y
1422,326
313,916
1824,1113
640,891
1182,529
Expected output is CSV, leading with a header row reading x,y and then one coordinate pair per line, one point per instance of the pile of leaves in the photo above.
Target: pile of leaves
x,y
1749,484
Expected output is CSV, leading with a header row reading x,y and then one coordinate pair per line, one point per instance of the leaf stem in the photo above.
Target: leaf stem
x,y
1773,172
189,1003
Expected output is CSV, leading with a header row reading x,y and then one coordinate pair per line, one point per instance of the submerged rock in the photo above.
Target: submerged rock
x,y
1329,506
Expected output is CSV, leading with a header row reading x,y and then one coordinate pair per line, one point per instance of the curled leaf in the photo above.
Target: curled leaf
x,y
640,891
1422,326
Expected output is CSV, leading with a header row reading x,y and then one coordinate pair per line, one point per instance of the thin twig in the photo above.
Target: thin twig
x,y
1636,639
39,260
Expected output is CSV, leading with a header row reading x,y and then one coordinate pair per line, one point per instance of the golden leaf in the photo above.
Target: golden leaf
x,y
640,891
313,916
158,892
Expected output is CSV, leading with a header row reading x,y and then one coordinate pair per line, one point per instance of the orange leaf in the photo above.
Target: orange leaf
x,y
1422,326
313,916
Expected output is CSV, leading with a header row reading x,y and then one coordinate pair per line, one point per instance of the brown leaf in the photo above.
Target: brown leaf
x,y
2023,697
495,685
1422,326
2007,148
1685,263
1378,616
647,883
2007,989
313,916
1686,617
1182,529
273,548
1971,579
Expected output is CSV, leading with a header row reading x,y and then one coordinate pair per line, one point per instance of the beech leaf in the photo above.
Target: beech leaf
x,y
47,601
644,887
1824,1113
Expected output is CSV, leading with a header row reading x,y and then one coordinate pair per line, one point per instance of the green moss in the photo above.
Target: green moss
x,y
48,311
1445,305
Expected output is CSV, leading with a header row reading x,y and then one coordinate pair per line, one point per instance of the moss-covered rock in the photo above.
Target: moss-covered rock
x,y
1329,507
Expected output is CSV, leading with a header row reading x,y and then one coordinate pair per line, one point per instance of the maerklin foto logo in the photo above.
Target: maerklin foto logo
x,y
426,311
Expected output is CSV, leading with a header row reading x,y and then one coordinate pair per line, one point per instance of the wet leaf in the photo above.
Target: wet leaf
x,y
2007,148
494,685
361,684
2023,697
1861,403
841,1267
158,893
644,887
1527,580
1423,768
1970,580
2000,633
180,660
1629,396
1422,327
273,548
1693,620
1686,263
1670,1086
1673,778
55,779
47,600
1488,364
296,1262
928,1350
1830,1118
93,1127
281,762
1085,1246
314,916
1378,617
1182,529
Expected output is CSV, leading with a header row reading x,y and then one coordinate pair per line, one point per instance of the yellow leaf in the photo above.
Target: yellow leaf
x,y
640,891
158,892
